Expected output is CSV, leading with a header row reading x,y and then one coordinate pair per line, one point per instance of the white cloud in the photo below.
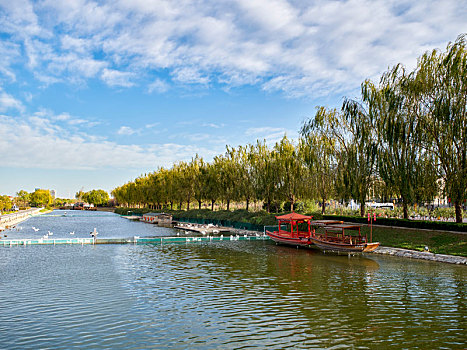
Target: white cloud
x,y
189,75
9,102
63,116
114,77
126,130
152,125
270,134
263,130
40,143
159,86
213,125
298,48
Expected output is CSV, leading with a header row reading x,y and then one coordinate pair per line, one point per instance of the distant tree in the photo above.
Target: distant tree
x,y
23,197
79,195
5,203
41,198
96,197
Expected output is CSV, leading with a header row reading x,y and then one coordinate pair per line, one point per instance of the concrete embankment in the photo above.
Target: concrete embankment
x,y
9,220
414,254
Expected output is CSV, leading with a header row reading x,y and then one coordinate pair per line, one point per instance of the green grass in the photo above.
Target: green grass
x,y
438,242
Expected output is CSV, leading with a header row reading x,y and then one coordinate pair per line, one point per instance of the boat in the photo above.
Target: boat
x,y
327,235
289,230
340,237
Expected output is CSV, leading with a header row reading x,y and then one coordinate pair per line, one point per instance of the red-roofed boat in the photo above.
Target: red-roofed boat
x,y
292,235
332,235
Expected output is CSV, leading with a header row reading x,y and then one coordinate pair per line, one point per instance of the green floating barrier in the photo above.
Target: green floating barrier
x,y
133,240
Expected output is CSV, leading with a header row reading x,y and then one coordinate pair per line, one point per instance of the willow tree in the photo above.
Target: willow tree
x,y
186,182
212,183
246,174
358,149
403,164
441,81
198,167
318,153
289,170
228,175
265,173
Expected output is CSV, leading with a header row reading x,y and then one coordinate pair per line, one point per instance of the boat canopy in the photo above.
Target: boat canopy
x,y
293,217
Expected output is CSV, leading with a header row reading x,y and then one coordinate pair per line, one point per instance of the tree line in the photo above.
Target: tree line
x,y
404,138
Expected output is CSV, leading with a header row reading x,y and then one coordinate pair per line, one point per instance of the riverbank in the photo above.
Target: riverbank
x,y
437,241
413,254
12,219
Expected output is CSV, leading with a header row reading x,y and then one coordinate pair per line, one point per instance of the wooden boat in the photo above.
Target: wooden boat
x,y
292,234
332,235
340,237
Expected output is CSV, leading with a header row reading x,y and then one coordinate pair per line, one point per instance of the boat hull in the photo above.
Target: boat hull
x,y
343,247
295,241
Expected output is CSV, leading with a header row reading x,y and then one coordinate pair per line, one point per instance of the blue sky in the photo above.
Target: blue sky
x,y
95,93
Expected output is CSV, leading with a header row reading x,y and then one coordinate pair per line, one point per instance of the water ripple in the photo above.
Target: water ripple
x,y
225,295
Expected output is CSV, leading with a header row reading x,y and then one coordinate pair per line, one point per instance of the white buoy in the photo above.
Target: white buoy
x,y
72,233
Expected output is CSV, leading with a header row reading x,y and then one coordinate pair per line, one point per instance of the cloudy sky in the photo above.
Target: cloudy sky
x,y
95,93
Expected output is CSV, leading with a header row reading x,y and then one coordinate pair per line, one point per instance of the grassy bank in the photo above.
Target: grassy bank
x,y
438,241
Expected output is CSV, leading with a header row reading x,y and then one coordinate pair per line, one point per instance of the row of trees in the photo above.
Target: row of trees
x,y
404,138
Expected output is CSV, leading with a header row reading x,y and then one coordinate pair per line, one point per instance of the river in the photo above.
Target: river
x,y
218,295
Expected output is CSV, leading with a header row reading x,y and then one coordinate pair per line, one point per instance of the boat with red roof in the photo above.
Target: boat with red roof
x,y
328,235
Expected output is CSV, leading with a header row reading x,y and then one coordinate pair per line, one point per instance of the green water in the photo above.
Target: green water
x,y
223,295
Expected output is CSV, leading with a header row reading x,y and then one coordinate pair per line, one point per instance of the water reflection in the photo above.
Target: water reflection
x,y
226,294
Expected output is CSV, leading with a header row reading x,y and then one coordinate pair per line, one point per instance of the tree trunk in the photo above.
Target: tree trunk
x,y
323,206
458,206
212,204
405,209
362,208
199,205
228,204
171,205
188,205
247,203
180,207
269,205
